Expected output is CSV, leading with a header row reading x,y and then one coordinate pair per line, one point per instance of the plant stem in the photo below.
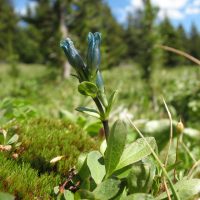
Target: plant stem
x,y
99,106
106,128
171,132
102,113
176,159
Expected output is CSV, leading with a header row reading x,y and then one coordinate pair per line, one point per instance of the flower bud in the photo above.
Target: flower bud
x,y
180,127
93,54
74,58
99,81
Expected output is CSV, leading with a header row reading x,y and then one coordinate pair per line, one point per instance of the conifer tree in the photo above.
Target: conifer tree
x,y
182,44
148,40
170,37
94,16
194,42
8,26
49,19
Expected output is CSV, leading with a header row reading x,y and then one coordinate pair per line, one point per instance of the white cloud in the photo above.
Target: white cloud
x,y
171,13
170,4
136,4
170,8
192,10
196,3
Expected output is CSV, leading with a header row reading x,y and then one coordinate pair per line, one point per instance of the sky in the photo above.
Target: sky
x,y
183,12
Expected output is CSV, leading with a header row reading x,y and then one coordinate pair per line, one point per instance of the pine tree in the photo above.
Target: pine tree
x,y
49,20
8,27
43,21
96,16
170,37
132,33
194,42
182,44
148,40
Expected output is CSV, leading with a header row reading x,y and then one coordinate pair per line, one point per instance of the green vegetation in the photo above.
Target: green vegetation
x,y
122,168
141,138
45,136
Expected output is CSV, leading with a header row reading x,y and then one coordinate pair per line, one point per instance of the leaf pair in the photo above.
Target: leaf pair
x,y
117,155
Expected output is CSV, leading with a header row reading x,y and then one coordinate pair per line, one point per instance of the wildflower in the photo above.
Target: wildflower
x,y
74,59
93,54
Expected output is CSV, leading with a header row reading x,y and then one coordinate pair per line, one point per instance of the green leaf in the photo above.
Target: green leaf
x,y
110,102
138,196
141,176
107,189
13,139
96,166
89,111
136,151
85,194
6,196
186,189
85,184
88,89
115,147
83,170
92,128
68,195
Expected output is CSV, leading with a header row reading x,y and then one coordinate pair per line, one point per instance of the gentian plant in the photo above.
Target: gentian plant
x,y
90,78
119,170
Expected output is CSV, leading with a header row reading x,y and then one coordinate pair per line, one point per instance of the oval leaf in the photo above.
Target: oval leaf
x,y
141,176
88,89
83,170
107,189
136,151
185,188
115,147
138,196
96,166
68,195
86,194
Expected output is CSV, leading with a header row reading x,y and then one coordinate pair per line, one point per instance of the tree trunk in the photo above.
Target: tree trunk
x,y
64,32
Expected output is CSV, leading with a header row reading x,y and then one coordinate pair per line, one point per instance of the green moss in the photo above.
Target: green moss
x,y
44,139
32,175
24,182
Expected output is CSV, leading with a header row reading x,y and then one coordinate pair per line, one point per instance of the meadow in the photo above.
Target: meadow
x,y
39,106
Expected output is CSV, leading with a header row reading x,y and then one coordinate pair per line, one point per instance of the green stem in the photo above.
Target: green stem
x,y
176,159
106,128
102,113
99,106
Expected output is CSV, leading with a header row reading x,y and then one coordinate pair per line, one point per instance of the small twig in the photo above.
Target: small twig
x,y
193,167
188,56
171,132
166,189
176,159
